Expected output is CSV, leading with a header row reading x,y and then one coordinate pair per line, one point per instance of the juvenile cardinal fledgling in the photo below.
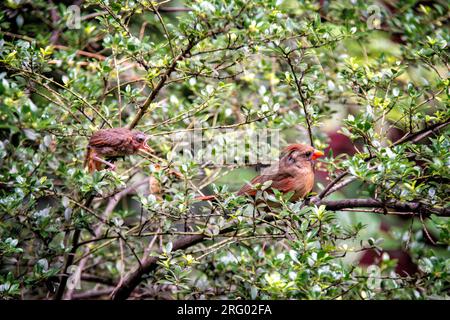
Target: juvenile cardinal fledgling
x,y
293,172
113,143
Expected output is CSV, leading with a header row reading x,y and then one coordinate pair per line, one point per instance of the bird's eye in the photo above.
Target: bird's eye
x,y
308,154
140,139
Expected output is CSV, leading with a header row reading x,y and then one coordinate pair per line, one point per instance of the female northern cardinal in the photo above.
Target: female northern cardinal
x,y
113,143
293,172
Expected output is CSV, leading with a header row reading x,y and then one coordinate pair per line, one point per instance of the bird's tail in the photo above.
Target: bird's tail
x,y
206,198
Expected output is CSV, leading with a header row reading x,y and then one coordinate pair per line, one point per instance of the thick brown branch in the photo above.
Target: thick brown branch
x,y
413,208
133,279
92,294
68,262
97,279
70,257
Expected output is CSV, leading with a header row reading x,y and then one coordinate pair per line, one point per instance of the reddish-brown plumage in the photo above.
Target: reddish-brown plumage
x,y
111,143
293,172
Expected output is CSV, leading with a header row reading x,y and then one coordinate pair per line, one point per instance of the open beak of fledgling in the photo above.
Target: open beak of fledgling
x,y
317,154
146,147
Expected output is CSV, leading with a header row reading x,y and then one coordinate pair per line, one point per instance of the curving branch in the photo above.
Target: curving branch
x,y
401,208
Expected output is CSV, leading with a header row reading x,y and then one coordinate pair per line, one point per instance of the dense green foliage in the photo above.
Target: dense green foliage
x,y
375,72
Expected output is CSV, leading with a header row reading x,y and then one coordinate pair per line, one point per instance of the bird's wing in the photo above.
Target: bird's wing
x,y
281,181
110,138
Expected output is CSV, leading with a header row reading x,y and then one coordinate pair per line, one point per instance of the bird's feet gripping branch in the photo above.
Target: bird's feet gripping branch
x,y
113,143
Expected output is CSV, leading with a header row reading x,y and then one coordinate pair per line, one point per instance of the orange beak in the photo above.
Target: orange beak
x,y
317,154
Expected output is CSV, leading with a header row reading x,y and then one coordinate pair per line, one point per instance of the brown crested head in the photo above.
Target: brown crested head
x,y
140,141
300,153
